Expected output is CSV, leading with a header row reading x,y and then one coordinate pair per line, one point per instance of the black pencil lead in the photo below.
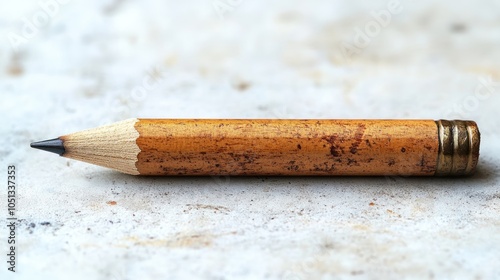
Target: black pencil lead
x,y
55,145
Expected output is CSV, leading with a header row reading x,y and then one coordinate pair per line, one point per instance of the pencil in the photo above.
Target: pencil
x,y
276,147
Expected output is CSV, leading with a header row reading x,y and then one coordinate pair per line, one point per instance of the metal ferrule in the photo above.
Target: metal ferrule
x,y
458,147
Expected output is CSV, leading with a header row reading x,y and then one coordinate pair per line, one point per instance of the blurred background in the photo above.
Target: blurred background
x,y
68,65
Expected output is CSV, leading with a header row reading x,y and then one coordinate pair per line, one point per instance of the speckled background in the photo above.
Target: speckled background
x,y
87,63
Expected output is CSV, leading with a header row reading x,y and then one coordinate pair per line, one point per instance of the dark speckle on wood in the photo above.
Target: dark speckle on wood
x,y
334,150
357,139
368,143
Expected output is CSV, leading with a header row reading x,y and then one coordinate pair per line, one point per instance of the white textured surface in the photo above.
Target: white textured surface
x,y
86,67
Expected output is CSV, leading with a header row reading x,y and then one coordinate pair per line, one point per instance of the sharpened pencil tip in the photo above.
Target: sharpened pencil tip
x,y
55,145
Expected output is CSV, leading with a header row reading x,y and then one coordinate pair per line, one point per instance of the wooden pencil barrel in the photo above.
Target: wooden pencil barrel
x,y
306,147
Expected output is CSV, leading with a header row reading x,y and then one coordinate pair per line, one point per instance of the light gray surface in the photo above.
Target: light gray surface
x,y
88,65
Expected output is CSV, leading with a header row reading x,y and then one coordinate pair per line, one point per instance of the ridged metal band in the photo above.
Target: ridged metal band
x,y
458,147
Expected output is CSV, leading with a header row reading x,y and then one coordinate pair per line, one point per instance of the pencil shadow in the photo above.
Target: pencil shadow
x,y
485,175
344,195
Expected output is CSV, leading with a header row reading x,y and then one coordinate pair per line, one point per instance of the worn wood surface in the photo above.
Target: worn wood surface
x,y
287,147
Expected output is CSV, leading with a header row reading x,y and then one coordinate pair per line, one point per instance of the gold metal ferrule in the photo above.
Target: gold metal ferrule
x,y
458,147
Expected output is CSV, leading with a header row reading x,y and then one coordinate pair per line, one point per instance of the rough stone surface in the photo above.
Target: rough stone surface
x,y
96,62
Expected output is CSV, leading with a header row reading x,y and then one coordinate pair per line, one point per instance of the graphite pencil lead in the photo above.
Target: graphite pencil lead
x,y
55,145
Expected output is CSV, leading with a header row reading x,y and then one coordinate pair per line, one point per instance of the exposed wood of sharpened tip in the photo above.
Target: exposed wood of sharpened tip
x,y
287,147
113,146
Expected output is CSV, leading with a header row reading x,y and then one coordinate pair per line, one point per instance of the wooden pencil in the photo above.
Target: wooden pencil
x,y
276,147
